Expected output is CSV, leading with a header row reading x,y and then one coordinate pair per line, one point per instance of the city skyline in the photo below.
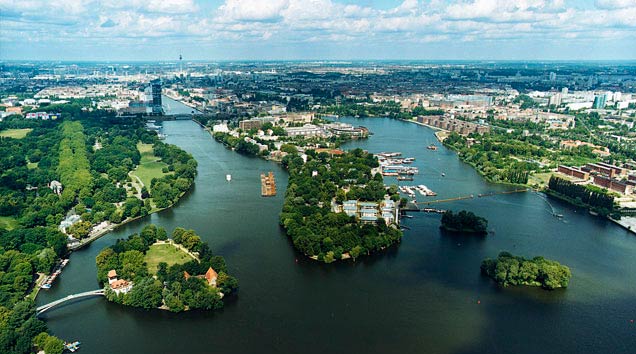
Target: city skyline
x,y
319,29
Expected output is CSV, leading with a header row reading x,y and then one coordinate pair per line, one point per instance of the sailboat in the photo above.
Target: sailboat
x,y
228,177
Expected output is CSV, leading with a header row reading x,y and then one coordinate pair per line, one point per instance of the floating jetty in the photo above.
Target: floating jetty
x,y
422,189
72,347
268,185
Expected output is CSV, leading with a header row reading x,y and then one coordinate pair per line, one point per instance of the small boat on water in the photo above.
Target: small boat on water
x,y
405,178
443,174
228,177
72,347
432,147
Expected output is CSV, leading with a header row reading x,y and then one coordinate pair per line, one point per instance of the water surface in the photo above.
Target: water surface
x,y
425,295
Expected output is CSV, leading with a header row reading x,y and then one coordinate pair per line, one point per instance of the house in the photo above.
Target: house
x,y
210,276
119,286
56,187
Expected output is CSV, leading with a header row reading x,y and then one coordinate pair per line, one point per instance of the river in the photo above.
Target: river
x,y
425,295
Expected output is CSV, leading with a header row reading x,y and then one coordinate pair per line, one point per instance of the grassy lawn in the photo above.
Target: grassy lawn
x,y
165,253
150,165
15,133
8,222
539,178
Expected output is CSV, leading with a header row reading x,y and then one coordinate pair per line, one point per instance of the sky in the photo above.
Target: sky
x,y
126,30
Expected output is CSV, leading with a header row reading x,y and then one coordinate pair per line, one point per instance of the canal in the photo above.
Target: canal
x,y
425,295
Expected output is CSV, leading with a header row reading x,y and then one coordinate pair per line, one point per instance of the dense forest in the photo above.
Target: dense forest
x,y
513,270
307,216
167,286
593,197
91,154
464,221
23,253
92,159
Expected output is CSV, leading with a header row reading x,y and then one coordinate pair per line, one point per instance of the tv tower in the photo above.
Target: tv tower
x,y
181,64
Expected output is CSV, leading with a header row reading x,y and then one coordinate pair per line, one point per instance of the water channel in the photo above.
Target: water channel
x,y
425,295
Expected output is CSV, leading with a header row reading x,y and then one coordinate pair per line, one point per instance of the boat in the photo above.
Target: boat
x,y
72,347
443,174
228,177
432,147
405,178
593,213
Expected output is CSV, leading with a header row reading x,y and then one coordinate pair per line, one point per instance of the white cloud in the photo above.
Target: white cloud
x,y
251,10
615,4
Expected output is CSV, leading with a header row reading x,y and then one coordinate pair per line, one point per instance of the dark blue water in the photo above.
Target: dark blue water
x,y
425,295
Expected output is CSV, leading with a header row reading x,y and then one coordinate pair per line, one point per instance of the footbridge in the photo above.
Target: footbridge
x,y
44,308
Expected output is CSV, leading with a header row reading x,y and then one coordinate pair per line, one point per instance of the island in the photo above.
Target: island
x,y
337,207
514,270
336,204
150,270
464,221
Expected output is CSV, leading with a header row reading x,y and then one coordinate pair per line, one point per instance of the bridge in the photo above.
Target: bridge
x,y
470,197
44,308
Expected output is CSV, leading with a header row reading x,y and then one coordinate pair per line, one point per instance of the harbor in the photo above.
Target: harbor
x,y
391,164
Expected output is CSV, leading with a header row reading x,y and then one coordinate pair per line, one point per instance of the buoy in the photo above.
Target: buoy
x,y
478,302
632,321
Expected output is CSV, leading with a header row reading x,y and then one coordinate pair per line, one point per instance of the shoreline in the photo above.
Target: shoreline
x,y
112,227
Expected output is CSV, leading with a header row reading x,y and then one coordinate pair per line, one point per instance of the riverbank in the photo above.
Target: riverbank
x,y
108,227
627,222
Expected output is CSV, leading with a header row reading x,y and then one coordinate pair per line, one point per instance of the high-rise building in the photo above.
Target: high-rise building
x,y
155,88
555,99
599,102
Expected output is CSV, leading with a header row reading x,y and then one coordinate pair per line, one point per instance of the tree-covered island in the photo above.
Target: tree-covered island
x,y
148,270
464,221
337,207
507,270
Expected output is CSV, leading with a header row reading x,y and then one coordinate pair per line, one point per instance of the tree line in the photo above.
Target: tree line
x,y
596,199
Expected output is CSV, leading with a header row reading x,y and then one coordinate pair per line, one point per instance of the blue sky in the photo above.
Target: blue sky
x,y
317,29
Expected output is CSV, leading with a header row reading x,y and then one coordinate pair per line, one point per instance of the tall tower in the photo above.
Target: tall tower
x,y
155,88
180,64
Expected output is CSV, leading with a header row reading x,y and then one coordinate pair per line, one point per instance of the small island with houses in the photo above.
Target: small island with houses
x,y
150,270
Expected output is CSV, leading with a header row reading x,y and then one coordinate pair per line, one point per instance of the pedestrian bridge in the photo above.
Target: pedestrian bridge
x,y
44,308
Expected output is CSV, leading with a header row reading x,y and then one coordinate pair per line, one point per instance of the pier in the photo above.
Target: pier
x,y
268,185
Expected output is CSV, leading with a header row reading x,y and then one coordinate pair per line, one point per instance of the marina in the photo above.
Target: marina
x,y
422,189
48,281
393,165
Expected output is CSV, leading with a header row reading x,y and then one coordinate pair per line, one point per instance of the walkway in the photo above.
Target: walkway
x,y
43,308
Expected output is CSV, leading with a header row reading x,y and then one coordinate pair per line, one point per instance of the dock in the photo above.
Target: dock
x,y
268,185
